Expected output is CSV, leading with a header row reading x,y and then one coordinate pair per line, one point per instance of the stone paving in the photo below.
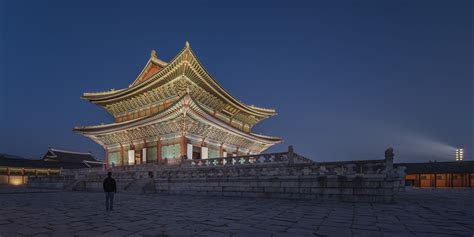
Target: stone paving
x,y
33,212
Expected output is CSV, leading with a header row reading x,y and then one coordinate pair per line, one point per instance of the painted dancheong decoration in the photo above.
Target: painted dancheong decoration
x,y
172,110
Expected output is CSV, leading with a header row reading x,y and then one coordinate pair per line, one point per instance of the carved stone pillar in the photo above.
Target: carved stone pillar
x,y
290,154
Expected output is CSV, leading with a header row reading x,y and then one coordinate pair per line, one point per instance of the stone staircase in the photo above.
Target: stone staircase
x,y
140,186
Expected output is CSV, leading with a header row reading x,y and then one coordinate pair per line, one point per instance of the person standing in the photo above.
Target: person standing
x,y
110,188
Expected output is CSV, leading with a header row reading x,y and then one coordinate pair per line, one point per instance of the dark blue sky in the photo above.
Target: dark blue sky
x,y
348,78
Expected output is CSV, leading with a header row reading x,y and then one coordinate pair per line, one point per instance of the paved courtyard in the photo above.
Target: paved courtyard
x,y
32,212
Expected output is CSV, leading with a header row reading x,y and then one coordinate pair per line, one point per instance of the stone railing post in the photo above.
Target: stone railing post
x,y
291,154
389,160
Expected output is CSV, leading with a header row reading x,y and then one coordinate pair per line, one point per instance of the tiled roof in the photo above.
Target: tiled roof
x,y
439,167
67,156
53,159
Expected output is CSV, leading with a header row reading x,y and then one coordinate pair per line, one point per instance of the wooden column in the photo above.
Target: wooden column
x,y
106,160
419,180
470,182
451,175
122,162
183,146
221,150
446,181
435,180
158,150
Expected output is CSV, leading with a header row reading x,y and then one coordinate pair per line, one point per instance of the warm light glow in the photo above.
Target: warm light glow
x,y
16,180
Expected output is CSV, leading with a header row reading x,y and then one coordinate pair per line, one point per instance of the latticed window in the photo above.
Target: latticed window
x,y
170,151
213,153
114,158
151,154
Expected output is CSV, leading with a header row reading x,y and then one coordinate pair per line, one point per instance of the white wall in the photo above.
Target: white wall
x,y
204,152
189,152
131,157
144,155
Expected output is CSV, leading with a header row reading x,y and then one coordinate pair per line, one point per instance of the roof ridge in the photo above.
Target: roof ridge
x,y
252,109
71,152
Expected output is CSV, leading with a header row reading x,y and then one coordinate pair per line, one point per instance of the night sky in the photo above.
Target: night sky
x,y
347,78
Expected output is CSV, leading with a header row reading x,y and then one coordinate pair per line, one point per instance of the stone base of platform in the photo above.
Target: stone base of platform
x,y
296,181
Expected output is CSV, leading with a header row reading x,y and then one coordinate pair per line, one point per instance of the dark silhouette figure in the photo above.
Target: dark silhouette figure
x,y
110,188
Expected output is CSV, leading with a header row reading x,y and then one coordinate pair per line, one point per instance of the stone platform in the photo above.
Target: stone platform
x,y
276,175
36,212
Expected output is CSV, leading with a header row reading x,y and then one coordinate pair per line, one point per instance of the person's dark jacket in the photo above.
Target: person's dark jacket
x,y
109,185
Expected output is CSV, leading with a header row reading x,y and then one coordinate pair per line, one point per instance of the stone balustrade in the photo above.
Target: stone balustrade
x,y
282,157
273,175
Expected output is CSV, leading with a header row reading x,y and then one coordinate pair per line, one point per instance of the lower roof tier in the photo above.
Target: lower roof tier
x,y
184,118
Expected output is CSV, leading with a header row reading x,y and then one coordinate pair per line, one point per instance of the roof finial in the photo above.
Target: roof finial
x,y
187,44
153,54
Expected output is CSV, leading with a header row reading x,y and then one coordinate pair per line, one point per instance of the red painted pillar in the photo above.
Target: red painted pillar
x,y
221,150
183,146
158,150
106,160
470,180
122,159
451,179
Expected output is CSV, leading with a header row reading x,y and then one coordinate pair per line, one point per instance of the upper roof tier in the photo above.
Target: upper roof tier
x,y
157,74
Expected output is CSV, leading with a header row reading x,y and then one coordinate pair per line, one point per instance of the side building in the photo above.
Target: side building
x,y
15,171
455,174
173,110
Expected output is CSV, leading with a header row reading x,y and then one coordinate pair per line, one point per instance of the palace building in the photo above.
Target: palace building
x,y
175,109
451,174
15,170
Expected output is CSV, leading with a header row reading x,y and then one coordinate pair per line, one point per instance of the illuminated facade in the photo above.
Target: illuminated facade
x,y
175,109
15,171
454,174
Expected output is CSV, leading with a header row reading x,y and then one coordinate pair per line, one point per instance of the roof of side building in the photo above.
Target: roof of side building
x,y
439,167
